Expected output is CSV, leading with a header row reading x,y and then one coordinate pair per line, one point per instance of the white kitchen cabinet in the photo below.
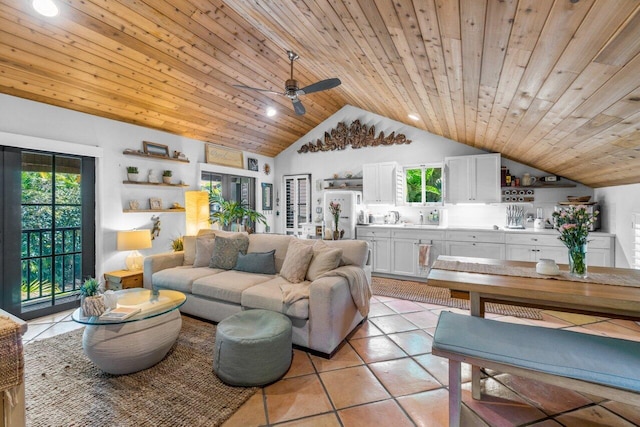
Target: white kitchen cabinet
x,y
381,183
475,243
473,179
380,245
533,247
405,248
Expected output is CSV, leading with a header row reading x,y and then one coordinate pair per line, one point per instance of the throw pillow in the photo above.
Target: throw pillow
x,y
189,245
257,262
296,262
325,258
226,250
204,250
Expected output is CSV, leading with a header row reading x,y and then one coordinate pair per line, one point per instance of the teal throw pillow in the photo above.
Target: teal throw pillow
x,y
226,250
257,262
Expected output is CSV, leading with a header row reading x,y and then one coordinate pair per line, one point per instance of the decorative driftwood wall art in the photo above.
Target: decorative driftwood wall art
x,y
356,135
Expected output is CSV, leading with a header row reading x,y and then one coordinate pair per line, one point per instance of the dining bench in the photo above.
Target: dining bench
x,y
603,366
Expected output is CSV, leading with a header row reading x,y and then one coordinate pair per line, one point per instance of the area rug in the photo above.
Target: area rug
x,y
422,292
63,387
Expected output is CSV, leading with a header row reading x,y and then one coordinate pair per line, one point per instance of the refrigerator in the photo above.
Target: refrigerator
x,y
350,202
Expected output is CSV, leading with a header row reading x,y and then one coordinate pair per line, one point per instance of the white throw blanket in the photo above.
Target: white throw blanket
x,y
358,285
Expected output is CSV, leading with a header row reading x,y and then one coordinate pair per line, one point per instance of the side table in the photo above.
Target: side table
x,y
123,279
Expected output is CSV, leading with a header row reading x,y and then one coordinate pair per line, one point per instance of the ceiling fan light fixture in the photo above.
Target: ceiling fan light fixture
x,y
414,117
45,7
271,111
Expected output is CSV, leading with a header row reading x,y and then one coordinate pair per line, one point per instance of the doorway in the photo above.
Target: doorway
x,y
47,230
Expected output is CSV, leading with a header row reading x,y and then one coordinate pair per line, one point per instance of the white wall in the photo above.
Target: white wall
x,y
31,124
619,204
424,148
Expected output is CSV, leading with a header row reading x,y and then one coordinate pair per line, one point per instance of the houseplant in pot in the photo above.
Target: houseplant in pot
x,y
166,177
231,215
91,301
132,173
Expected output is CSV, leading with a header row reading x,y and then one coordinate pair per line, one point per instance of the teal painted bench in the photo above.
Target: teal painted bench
x,y
606,367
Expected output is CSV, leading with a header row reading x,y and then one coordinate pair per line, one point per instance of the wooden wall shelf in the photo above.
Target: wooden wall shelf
x,y
154,157
157,184
152,210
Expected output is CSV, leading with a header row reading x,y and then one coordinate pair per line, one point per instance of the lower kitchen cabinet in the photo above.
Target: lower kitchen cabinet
x,y
380,245
476,249
405,255
532,247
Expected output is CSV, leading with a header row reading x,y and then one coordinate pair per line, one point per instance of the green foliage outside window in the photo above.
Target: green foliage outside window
x,y
424,185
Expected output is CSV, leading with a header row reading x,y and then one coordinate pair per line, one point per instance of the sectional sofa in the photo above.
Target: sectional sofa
x,y
325,294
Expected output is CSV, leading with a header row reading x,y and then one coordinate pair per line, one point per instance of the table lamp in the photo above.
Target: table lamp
x,y
132,241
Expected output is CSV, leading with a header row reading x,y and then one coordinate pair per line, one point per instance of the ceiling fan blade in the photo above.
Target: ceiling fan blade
x,y
258,89
318,86
298,107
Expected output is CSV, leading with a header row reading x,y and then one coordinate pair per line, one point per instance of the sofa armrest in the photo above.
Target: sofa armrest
x,y
157,262
332,313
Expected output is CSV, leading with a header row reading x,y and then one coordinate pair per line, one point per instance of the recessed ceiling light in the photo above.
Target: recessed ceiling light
x,y
414,117
271,111
45,7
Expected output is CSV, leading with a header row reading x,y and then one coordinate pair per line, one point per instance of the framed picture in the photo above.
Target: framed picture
x,y
267,196
252,164
134,205
153,149
220,155
155,203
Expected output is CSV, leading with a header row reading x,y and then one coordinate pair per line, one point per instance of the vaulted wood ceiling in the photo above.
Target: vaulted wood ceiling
x,y
552,84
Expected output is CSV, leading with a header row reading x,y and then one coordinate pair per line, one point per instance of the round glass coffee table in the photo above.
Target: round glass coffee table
x,y
139,342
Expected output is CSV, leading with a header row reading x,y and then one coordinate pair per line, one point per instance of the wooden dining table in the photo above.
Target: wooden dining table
x,y
614,293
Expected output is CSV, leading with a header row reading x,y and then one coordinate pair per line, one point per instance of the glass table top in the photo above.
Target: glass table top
x,y
151,304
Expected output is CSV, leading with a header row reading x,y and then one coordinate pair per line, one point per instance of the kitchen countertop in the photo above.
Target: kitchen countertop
x,y
474,228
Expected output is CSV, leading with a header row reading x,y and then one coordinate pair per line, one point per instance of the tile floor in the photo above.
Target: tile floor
x,y
385,375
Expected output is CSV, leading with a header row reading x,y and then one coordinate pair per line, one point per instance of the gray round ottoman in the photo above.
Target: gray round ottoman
x,y
252,348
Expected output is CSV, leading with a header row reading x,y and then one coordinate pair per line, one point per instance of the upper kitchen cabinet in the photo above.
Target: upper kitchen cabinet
x,y
473,179
381,183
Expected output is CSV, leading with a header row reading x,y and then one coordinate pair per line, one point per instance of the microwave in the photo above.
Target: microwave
x,y
591,209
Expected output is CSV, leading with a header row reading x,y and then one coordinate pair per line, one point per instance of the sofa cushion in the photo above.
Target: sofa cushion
x,y
267,242
227,285
257,262
296,263
204,250
325,258
226,250
189,245
268,295
213,233
354,252
180,278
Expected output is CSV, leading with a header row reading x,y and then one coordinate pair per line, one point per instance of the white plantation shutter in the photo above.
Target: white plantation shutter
x,y
297,198
636,234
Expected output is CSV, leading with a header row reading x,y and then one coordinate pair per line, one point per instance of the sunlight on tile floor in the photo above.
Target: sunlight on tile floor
x,y
385,375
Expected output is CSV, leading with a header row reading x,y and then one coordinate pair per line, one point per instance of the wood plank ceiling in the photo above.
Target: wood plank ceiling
x,y
552,84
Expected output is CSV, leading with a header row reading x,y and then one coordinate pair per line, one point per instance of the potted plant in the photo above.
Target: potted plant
x,y
232,215
132,173
177,244
91,301
166,177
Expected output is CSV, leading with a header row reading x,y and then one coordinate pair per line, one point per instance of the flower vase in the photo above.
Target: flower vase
x,y
578,261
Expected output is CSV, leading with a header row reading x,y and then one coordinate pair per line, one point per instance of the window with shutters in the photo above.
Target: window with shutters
x,y
297,202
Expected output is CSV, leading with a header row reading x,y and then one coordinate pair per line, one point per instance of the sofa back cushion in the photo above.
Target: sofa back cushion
x,y
257,262
204,245
325,258
226,250
268,242
296,263
354,252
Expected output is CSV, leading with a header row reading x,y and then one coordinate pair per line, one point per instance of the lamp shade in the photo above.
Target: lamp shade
x,y
133,240
196,205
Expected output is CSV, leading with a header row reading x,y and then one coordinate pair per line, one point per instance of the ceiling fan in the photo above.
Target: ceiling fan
x,y
292,91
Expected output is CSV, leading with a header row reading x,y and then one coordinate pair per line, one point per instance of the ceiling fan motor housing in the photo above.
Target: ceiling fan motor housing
x,y
291,86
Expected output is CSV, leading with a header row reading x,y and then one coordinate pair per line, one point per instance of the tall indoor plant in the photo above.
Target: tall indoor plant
x,y
573,224
232,212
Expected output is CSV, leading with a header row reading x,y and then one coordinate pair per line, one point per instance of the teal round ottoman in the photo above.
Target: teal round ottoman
x,y
252,348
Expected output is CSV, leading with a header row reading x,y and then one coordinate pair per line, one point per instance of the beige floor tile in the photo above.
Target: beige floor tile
x,y
438,367
367,329
634,326
584,330
35,329
393,324
375,349
324,420
344,358
381,298
353,386
427,409
403,306
300,365
57,329
413,342
385,413
631,413
546,423
594,416
251,414
404,376
52,318
614,330
422,319
379,309
575,319
294,398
